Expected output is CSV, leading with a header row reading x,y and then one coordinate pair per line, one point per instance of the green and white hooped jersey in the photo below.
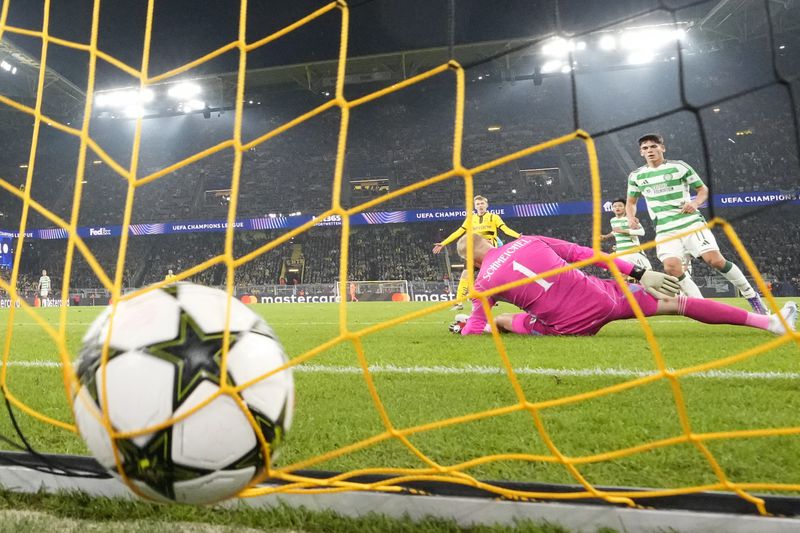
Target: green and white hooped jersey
x,y
44,283
666,188
624,240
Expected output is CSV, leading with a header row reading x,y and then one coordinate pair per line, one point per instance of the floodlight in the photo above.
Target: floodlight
x,y
133,111
184,90
608,43
557,47
5,65
551,66
101,99
191,105
652,38
640,57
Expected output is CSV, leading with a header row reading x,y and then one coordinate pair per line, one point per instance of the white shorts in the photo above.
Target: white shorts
x,y
638,259
696,244
43,293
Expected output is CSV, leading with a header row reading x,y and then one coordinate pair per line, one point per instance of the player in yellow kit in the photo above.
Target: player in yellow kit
x,y
484,224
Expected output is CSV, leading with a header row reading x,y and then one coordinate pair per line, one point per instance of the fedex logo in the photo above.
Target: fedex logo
x,y
93,232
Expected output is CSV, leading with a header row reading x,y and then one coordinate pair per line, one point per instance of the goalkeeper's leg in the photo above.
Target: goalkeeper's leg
x,y
711,312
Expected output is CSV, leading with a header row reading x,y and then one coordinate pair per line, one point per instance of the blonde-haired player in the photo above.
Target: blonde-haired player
x,y
484,224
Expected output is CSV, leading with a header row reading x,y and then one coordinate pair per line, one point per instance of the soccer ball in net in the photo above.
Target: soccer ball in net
x,y
164,357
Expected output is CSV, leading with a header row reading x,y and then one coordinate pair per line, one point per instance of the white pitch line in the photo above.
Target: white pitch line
x,y
488,370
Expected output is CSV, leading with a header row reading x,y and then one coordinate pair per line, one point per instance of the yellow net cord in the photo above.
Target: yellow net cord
x,y
431,471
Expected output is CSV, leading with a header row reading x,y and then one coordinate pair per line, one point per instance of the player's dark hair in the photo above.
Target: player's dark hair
x,y
621,200
655,137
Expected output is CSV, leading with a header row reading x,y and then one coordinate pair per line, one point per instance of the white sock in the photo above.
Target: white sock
x,y
689,287
734,274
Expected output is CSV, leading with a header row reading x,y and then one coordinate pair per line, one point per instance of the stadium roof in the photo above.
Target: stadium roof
x,y
394,66
63,98
726,21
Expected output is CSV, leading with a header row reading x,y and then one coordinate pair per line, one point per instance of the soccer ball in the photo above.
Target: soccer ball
x,y
164,358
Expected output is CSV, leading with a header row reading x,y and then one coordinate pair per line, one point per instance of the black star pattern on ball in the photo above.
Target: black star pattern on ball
x,y
195,354
152,464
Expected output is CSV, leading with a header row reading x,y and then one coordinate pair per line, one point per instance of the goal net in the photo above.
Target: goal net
x,y
564,89
377,291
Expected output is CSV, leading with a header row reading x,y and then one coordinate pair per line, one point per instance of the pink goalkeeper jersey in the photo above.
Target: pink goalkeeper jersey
x,y
570,302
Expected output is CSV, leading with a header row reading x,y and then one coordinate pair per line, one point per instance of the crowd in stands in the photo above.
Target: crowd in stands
x,y
380,252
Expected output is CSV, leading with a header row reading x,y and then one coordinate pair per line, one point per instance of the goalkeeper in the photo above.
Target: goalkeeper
x,y
573,303
484,224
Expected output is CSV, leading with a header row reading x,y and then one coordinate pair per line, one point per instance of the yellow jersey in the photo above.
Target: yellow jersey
x,y
170,277
485,225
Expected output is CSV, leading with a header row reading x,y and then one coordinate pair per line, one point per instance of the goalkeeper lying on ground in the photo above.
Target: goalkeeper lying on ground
x,y
573,303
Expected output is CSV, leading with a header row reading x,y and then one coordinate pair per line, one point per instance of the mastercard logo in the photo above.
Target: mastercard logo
x,y
401,297
249,299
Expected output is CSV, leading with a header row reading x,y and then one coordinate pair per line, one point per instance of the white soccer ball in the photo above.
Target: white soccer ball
x,y
164,357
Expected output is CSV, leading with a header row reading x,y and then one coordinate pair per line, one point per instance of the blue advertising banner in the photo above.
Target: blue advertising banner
x,y
749,199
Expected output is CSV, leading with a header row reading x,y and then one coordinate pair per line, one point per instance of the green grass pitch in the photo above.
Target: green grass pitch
x,y
424,374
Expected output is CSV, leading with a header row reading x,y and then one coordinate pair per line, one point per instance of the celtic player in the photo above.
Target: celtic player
x,y
44,285
666,185
484,224
625,237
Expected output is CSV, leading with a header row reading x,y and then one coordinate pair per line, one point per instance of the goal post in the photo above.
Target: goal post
x,y
395,290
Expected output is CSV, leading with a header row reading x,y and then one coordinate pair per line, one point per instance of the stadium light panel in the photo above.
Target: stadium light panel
x,y
607,43
641,57
554,65
184,91
13,70
191,105
566,69
123,98
557,47
650,38
133,111
494,128
5,65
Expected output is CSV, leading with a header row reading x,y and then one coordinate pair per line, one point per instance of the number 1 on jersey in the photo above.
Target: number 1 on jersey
x,y
522,269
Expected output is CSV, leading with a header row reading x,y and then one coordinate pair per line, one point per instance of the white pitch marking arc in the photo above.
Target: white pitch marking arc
x,y
487,370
